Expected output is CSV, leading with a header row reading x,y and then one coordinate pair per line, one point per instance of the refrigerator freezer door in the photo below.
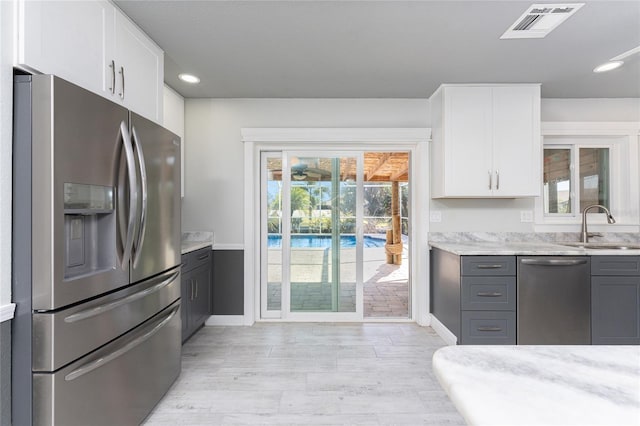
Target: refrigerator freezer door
x,y
157,244
76,143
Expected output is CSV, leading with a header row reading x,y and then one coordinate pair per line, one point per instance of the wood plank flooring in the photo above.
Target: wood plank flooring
x,y
308,374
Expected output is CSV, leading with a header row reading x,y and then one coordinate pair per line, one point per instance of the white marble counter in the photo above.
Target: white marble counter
x,y
510,248
542,385
192,241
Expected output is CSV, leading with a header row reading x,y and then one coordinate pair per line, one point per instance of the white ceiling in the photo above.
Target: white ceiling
x,y
384,49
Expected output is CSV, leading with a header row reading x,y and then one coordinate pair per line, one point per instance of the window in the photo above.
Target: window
x,y
585,164
561,177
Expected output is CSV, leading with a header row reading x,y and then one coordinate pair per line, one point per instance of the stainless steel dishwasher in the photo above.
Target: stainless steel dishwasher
x,y
554,300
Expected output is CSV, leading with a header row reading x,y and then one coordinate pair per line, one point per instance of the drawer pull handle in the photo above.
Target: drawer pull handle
x,y
203,256
489,328
487,294
489,266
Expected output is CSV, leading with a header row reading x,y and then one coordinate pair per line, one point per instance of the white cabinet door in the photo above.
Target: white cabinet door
x,y
467,141
516,141
66,38
139,70
486,141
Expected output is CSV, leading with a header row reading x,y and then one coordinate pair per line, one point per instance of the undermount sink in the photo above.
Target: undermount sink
x,y
604,246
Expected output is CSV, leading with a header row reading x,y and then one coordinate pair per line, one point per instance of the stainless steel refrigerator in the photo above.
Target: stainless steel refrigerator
x,y
96,258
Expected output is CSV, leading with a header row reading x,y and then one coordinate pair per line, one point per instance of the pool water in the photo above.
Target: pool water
x,y
322,241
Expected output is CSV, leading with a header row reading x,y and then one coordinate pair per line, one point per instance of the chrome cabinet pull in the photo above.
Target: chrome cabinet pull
x,y
488,294
112,65
490,179
143,184
196,289
497,179
203,256
121,72
92,365
489,329
191,289
489,266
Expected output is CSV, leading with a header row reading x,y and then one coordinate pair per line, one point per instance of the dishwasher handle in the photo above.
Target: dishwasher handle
x,y
553,262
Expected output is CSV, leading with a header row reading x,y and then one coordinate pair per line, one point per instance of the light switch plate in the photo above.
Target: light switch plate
x,y
435,216
526,216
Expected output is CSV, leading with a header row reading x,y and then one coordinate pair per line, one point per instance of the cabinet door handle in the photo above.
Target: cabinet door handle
x,y
121,72
112,65
489,266
490,179
488,294
489,329
497,179
196,289
191,281
203,256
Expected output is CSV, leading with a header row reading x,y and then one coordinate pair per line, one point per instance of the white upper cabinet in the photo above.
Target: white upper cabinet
x,y
139,69
94,45
486,141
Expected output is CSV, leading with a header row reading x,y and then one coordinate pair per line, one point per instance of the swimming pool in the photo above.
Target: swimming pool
x,y
322,241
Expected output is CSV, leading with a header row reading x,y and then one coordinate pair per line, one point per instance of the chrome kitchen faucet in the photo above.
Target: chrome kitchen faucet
x,y
585,235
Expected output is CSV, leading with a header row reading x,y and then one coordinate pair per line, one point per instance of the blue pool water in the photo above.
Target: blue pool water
x,y
322,241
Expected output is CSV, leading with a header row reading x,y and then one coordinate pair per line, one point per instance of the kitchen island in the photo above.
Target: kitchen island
x,y
542,385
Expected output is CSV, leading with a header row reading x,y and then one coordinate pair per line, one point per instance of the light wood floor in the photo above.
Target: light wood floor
x,y
308,374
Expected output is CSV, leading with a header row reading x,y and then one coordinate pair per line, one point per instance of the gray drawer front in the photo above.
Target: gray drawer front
x,y
488,265
488,328
196,258
615,265
488,293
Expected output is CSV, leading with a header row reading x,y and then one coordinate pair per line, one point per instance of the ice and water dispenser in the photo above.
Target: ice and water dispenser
x,y
89,226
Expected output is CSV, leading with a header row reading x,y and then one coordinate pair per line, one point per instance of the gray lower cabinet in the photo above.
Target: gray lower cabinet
x,y
615,300
475,297
196,290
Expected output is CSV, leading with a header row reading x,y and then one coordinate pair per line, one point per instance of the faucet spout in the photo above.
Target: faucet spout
x,y
585,235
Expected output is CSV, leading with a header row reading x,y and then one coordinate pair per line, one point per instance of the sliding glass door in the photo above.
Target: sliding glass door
x,y
312,235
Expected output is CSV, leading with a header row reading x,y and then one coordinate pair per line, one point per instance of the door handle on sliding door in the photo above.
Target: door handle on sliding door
x,y
143,184
133,194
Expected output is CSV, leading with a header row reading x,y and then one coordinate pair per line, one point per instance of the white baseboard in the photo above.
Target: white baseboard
x,y
449,338
424,320
7,311
225,320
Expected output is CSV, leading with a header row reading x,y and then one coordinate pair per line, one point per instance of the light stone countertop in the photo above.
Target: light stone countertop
x,y
510,248
192,241
542,385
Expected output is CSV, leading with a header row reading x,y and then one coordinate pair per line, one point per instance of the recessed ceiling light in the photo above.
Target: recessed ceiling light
x,y
189,78
608,66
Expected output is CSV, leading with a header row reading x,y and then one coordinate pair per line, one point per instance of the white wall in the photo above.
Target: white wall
x,y
215,154
173,119
6,107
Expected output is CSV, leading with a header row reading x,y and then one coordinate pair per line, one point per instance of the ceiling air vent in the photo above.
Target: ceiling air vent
x,y
540,19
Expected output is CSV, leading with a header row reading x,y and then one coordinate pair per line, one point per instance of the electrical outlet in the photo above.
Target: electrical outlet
x,y
435,216
526,216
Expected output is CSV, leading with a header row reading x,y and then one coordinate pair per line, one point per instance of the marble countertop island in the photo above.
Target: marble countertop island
x,y
542,385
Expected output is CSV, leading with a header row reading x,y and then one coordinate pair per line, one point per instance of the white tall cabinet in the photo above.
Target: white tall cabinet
x,y
94,45
486,141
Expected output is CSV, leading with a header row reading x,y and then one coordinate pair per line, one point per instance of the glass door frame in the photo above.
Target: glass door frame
x,y
285,312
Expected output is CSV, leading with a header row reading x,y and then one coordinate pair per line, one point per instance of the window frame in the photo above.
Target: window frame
x,y
623,142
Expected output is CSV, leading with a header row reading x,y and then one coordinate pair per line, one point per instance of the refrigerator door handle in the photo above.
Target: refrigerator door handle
x,y
103,360
133,194
143,185
98,310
